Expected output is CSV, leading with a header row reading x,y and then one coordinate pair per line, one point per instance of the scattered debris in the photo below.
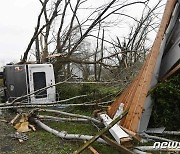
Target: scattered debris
x,y
101,133
94,151
116,131
122,125
23,125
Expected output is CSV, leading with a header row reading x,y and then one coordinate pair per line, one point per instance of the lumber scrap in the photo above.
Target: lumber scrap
x,y
100,133
116,145
135,95
173,71
131,133
94,151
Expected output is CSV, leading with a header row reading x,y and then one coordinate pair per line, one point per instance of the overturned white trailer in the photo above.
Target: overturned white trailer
x,y
21,80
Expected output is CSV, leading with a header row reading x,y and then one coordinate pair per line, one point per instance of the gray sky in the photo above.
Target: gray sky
x,y
17,21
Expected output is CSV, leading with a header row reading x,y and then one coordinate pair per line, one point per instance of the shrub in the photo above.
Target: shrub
x,y
166,110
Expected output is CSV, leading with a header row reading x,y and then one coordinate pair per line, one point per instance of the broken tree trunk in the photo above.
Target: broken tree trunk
x,y
64,135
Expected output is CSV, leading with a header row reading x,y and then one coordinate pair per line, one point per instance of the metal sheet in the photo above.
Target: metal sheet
x,y
15,79
170,59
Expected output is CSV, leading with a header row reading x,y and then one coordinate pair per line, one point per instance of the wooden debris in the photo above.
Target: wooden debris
x,y
3,120
23,124
14,119
32,127
54,55
94,151
134,96
22,127
116,145
45,117
100,133
173,71
133,134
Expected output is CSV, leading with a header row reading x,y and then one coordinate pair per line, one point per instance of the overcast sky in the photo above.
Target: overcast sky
x,y
17,21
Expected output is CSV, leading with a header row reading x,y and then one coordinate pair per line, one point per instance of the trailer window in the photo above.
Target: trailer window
x,y
40,82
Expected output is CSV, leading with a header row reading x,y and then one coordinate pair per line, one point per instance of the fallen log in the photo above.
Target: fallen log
x,y
64,135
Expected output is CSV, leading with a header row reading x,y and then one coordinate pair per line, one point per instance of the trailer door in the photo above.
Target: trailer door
x,y
41,76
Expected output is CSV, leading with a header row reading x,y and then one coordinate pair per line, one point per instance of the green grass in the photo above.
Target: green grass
x,y
52,144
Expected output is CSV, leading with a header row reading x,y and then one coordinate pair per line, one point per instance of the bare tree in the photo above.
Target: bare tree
x,y
62,27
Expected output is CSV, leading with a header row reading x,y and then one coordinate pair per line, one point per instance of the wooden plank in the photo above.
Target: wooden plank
x,y
114,106
123,97
121,148
94,151
173,71
133,134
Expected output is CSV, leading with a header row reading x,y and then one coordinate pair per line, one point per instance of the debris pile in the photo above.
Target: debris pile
x,y
127,117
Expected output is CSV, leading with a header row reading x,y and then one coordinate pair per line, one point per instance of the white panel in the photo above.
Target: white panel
x,y
116,131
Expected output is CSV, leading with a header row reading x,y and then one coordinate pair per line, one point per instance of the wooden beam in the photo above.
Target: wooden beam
x,y
173,71
119,147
